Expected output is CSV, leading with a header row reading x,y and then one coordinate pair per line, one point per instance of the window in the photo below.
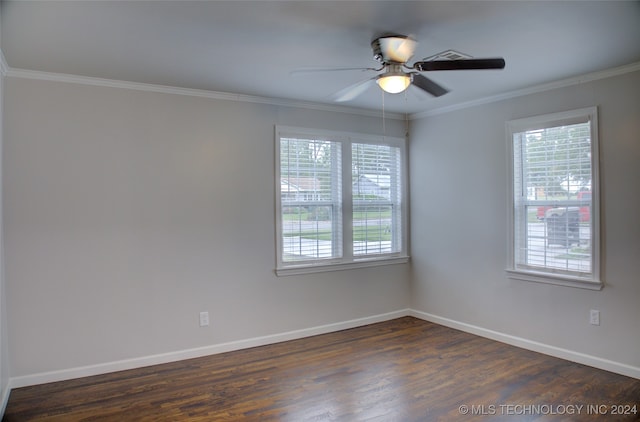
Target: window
x,y
341,201
555,225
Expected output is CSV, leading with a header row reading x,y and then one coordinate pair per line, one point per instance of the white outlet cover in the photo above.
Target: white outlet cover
x,y
204,319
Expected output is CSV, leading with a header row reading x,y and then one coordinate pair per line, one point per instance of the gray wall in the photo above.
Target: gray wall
x,y
4,355
4,345
127,213
459,210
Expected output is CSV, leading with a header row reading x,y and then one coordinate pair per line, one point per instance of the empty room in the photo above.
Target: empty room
x,y
319,210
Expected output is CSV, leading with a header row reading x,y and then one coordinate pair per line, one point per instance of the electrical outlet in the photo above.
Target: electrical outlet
x,y
204,319
594,317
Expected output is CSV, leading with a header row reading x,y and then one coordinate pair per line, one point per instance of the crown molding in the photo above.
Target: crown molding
x,y
576,80
216,95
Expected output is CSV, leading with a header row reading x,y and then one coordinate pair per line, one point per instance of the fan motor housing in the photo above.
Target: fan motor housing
x,y
393,49
377,51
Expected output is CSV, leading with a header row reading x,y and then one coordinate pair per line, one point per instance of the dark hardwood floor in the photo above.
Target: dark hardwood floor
x,y
400,370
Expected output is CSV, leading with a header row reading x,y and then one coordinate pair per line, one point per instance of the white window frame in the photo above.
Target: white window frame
x,y
521,271
348,260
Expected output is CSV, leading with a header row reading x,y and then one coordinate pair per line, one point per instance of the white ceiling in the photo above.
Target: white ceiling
x,y
250,48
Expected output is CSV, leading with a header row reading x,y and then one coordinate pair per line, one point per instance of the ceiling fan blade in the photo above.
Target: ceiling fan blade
x,y
351,92
428,85
330,69
463,64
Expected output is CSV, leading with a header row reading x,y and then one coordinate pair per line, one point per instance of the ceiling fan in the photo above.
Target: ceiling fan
x,y
394,51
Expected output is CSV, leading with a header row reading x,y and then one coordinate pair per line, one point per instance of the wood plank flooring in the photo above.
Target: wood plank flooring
x,y
400,370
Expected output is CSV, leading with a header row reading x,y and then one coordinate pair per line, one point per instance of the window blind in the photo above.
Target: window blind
x,y
552,199
376,193
310,193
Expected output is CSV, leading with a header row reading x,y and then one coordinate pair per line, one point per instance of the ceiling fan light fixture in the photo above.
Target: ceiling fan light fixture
x,y
394,82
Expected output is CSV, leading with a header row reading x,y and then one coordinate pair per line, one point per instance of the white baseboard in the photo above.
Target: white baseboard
x,y
570,355
103,368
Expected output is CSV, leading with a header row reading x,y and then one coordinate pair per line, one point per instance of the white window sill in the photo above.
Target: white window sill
x,y
555,279
320,268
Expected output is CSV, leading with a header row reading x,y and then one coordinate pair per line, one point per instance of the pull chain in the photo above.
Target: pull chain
x,y
384,127
406,116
